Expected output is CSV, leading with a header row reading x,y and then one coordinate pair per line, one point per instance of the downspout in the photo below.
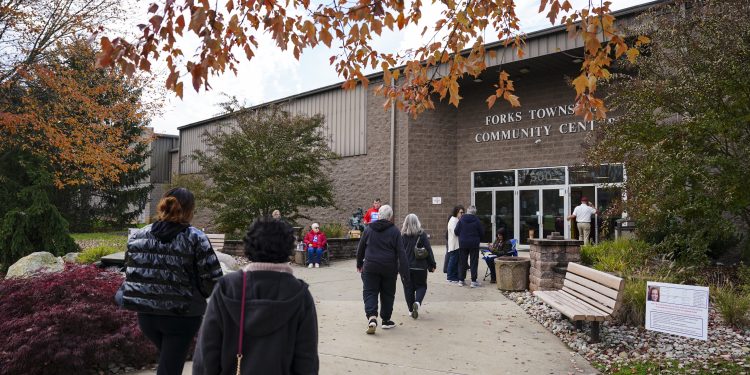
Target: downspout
x,y
393,148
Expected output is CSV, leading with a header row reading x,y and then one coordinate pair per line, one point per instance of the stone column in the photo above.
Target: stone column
x,y
549,262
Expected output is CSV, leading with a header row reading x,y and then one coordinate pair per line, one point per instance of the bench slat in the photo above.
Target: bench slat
x,y
590,293
550,298
571,307
600,277
588,300
592,312
216,240
611,293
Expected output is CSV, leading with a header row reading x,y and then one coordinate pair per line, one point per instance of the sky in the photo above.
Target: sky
x,y
274,74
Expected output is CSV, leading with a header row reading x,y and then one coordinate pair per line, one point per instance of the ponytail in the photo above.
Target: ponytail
x,y
176,206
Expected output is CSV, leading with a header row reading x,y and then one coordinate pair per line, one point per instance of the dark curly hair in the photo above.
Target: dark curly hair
x,y
268,240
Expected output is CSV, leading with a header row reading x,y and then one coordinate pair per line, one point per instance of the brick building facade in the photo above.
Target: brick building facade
x,y
519,166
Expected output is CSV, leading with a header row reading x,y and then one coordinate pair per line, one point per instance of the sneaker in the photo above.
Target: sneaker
x,y
388,324
309,265
371,325
452,282
317,265
460,283
475,284
415,310
493,281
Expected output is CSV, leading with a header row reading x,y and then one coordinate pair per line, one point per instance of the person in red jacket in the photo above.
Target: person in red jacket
x,y
371,215
315,241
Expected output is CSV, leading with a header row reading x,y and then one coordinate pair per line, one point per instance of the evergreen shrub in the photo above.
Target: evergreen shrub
x,y
68,323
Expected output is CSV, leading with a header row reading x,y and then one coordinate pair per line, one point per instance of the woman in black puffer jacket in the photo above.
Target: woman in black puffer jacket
x,y
171,270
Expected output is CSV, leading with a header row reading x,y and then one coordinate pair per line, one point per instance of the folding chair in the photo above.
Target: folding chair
x,y
486,254
325,257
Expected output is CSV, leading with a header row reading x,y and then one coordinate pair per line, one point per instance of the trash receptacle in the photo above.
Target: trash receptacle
x,y
512,273
625,229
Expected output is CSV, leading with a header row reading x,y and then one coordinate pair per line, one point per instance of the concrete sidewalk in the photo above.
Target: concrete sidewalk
x,y
460,330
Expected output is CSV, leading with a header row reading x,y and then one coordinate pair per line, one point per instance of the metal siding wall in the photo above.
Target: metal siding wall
x,y
345,125
160,159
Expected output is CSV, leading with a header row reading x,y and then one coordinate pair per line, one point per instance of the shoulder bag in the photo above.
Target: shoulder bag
x,y
420,252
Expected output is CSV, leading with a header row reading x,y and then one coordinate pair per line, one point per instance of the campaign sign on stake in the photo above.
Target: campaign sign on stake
x,y
677,309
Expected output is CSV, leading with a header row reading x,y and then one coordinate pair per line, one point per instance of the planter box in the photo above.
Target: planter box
x,y
234,247
342,248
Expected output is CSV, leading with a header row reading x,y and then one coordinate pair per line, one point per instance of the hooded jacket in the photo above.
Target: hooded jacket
x,y
280,327
171,269
469,231
380,250
410,243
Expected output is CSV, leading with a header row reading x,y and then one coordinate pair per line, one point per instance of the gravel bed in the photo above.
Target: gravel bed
x,y
621,344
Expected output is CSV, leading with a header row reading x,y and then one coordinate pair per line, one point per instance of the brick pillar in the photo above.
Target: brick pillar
x,y
549,262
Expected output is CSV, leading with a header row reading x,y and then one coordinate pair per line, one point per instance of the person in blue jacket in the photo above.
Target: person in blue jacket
x,y
470,232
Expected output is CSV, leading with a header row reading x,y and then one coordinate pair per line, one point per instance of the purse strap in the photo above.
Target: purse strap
x,y
242,321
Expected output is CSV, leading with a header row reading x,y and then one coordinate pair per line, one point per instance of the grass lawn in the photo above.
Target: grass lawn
x,y
89,240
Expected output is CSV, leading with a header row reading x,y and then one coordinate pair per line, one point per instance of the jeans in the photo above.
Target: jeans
x,y
415,290
491,266
453,265
473,257
314,254
172,336
376,284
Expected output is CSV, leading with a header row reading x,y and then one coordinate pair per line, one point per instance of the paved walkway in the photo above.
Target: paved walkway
x,y
459,331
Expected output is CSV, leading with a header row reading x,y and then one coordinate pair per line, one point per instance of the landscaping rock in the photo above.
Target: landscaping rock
x,y
227,260
622,343
70,257
36,262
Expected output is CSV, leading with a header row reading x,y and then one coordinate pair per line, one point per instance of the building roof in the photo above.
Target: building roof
x,y
530,38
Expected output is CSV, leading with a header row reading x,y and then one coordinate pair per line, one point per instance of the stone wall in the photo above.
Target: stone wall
x,y
549,262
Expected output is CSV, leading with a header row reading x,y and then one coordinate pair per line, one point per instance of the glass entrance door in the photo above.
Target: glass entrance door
x,y
528,215
542,211
553,212
495,210
505,213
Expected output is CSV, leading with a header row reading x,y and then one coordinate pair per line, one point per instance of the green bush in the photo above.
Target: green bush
x,y
620,256
732,304
334,230
93,254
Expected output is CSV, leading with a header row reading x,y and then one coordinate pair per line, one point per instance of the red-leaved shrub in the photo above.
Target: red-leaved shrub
x,y
68,323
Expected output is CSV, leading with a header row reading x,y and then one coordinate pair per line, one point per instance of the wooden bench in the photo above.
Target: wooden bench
x,y
587,295
216,240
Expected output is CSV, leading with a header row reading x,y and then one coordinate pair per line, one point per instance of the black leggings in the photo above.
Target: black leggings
x,y
172,335
415,290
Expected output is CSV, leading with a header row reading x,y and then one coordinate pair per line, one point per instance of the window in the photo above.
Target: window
x,y
541,176
602,174
494,179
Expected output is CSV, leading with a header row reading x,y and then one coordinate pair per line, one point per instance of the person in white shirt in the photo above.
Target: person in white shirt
x,y
583,215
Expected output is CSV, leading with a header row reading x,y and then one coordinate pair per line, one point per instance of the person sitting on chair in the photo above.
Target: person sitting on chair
x,y
499,248
315,241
